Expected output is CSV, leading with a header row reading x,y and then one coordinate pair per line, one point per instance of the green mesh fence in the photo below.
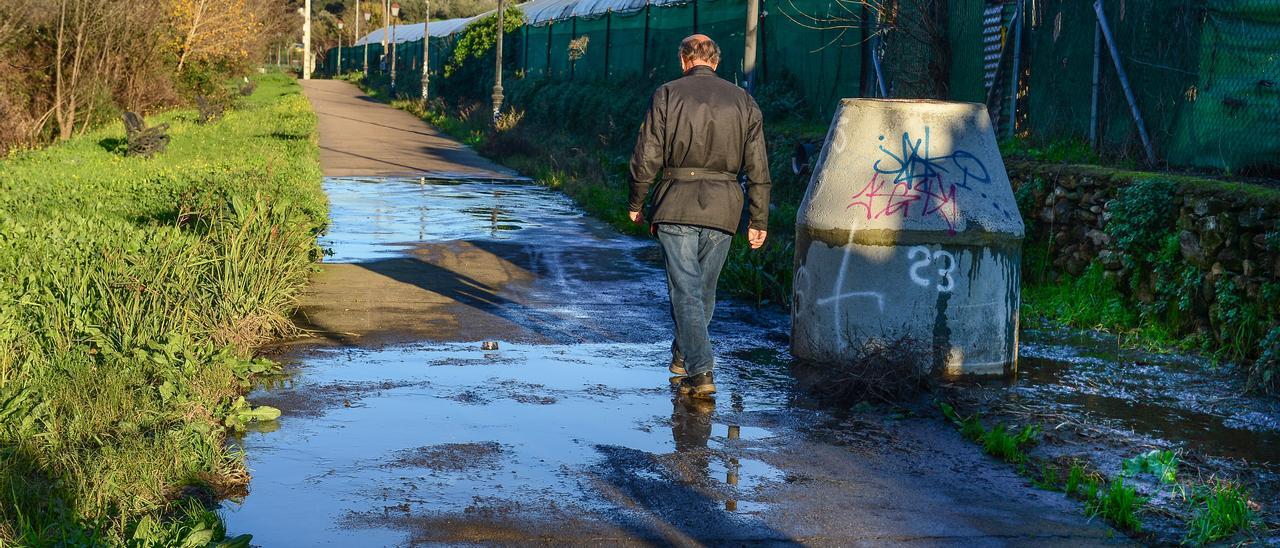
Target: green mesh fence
x,y
1232,113
1205,73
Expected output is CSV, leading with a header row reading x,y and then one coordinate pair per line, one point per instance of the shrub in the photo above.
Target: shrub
x,y
131,293
1223,511
1118,505
1264,375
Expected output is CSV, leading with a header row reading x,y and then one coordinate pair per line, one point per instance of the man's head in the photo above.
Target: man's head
x,y
699,49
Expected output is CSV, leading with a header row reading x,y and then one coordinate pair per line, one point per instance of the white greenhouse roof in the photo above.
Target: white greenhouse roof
x,y
412,32
536,12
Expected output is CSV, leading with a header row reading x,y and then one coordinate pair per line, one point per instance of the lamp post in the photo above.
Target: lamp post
x,y
426,54
395,14
497,74
306,40
367,15
340,25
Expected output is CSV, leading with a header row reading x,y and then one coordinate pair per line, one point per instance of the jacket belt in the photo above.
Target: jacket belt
x,y
697,174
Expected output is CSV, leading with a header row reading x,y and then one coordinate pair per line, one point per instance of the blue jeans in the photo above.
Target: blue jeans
x,y
693,257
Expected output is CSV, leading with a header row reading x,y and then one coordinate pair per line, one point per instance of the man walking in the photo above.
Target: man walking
x,y
700,134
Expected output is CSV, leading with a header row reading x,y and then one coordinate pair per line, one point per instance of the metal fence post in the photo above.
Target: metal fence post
x,y
1015,76
1124,81
1097,79
749,44
644,62
608,34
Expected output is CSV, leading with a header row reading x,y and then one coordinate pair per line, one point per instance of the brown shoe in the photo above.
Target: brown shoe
x,y
698,386
677,367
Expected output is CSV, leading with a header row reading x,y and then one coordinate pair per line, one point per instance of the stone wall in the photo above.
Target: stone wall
x,y
1205,250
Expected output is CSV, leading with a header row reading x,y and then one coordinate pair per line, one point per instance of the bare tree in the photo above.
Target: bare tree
x,y
911,35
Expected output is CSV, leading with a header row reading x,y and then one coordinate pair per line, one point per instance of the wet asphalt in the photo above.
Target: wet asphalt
x,y
569,432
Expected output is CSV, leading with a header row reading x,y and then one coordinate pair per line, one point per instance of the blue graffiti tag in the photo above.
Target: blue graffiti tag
x,y
912,164
913,176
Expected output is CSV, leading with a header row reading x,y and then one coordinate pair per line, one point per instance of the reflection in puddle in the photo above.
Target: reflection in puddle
x,y
372,215
522,426
1179,399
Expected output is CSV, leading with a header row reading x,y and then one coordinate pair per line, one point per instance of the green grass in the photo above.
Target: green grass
x,y
1223,511
1091,301
1117,503
132,292
1076,478
1000,441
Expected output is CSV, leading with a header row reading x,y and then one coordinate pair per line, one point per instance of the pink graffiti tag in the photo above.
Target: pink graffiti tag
x,y
934,197
913,175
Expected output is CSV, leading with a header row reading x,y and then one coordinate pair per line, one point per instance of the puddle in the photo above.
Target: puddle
x,y
1177,399
374,440
579,439
533,421
374,216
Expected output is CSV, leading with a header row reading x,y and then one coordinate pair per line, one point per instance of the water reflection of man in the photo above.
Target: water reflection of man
x,y
700,135
691,428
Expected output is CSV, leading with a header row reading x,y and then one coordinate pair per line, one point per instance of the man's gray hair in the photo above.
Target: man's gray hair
x,y
700,48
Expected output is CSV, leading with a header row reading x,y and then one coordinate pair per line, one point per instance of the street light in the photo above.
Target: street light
x,y
395,15
306,40
426,55
497,75
367,15
340,25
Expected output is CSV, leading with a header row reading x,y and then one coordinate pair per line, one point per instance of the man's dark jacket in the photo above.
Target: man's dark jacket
x,y
700,133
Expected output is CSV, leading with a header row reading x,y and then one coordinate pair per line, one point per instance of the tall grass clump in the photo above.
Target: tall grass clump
x,y
132,292
1223,511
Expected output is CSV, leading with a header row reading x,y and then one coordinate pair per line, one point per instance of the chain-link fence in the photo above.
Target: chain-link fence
x,y
1204,75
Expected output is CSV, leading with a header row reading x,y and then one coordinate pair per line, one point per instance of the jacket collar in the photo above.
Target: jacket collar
x,y
700,70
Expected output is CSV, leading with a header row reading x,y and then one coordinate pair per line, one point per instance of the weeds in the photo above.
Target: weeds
x,y
131,293
1118,504
1223,511
1162,464
1000,441
761,276
1076,478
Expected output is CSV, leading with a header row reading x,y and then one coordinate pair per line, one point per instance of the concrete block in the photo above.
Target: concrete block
x,y
909,229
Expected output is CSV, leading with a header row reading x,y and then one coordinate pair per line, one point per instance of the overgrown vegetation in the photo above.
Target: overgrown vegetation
x,y
1000,441
1209,510
69,66
1222,511
1151,295
132,292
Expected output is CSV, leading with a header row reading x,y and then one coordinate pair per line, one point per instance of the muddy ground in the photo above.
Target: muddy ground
x,y
1101,404
569,431
399,429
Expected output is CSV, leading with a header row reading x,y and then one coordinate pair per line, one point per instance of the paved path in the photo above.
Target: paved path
x,y
387,302
569,433
360,136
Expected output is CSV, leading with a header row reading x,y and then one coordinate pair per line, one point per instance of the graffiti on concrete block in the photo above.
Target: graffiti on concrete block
x,y
922,259
911,181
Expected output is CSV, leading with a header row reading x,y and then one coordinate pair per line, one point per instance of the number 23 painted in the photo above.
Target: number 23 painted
x,y
921,258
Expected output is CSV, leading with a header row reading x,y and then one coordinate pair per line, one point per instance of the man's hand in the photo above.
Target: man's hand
x,y
636,218
756,237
